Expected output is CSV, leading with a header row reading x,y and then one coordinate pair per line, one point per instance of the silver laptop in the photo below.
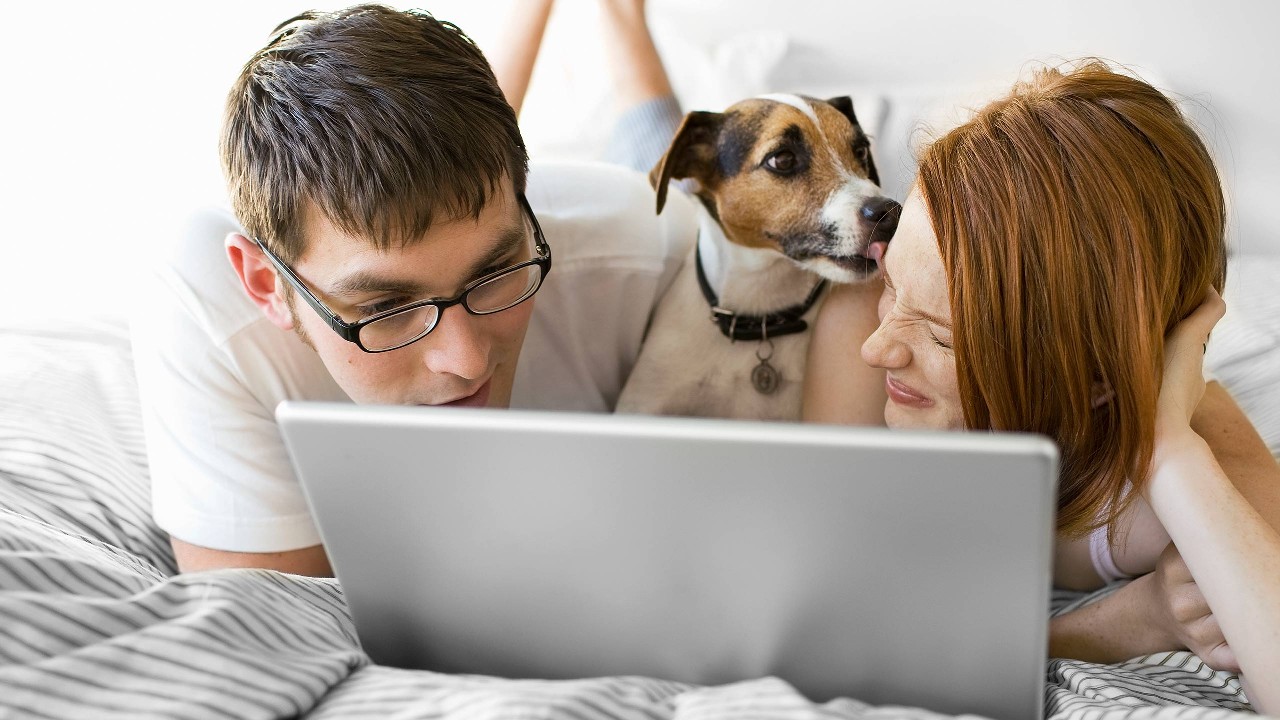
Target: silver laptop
x,y
889,566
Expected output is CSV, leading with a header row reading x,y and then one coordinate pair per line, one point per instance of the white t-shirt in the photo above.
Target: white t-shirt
x,y
211,368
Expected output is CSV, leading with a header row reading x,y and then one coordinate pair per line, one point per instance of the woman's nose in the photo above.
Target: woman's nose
x,y
882,350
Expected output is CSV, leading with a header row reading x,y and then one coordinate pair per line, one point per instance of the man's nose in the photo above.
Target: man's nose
x,y
882,350
458,345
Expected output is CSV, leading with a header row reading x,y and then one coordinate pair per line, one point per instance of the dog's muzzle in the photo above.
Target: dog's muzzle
x,y
879,219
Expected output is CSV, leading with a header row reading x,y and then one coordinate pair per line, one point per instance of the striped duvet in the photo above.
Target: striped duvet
x,y
94,623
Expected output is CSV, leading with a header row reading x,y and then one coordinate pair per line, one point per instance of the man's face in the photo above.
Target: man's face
x,y
467,359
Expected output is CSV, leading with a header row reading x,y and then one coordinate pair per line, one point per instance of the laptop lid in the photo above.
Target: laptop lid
x,y
893,567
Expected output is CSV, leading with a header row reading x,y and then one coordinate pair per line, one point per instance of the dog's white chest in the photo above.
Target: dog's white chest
x,y
688,367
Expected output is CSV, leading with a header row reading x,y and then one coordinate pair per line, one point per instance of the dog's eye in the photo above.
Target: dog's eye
x,y
782,162
862,153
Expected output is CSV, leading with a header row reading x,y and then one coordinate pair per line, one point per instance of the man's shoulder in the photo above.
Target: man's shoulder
x,y
197,326
613,258
604,213
190,275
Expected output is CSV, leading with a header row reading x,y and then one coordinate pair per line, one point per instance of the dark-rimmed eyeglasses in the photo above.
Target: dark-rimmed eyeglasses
x,y
395,328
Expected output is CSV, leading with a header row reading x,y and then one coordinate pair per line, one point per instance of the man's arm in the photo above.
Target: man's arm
x,y
308,561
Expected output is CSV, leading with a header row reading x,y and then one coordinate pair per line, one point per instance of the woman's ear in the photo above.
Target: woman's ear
x,y
259,280
1100,393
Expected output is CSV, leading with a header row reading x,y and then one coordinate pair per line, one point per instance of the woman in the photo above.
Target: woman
x,y
1056,270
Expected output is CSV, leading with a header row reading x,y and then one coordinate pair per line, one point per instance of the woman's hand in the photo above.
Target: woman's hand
x,y
1183,385
1182,614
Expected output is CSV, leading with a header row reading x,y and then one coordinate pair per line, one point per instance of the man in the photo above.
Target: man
x,y
385,253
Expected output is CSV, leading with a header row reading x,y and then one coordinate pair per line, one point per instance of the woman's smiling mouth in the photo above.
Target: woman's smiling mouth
x,y
904,394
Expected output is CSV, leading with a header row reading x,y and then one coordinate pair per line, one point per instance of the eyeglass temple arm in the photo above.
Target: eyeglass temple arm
x,y
348,331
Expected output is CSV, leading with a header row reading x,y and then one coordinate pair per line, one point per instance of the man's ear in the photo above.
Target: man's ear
x,y
258,279
691,155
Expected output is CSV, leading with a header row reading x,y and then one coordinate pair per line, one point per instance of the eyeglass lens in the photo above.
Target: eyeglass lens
x,y
492,296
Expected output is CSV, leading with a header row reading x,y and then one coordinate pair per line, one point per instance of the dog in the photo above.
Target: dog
x,y
790,200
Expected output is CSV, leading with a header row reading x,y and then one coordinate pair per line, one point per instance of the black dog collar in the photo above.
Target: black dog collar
x,y
756,327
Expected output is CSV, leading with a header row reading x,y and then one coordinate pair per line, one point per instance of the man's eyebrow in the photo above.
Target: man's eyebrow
x,y
363,282
510,239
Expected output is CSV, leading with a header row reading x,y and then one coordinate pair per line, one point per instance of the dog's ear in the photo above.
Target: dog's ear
x,y
844,104
692,153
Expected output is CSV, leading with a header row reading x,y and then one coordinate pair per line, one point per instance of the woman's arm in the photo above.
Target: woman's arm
x,y
1167,608
1232,553
838,386
1231,550
1240,450
1119,627
1157,612
1141,539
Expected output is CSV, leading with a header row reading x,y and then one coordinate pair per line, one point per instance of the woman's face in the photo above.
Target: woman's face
x,y
914,343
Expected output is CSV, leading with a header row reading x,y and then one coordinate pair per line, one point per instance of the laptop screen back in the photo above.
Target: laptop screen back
x,y
892,567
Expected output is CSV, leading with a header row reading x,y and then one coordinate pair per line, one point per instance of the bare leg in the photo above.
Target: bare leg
x,y
637,69
650,113
515,55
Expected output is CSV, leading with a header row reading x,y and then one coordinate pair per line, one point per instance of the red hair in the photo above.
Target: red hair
x,y
1078,219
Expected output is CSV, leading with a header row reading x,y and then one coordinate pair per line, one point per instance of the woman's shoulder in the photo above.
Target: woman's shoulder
x,y
838,386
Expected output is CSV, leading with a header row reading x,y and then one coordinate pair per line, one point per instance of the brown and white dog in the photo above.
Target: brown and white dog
x,y
790,199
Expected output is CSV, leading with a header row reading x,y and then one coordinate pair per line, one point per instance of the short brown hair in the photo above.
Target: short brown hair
x,y
1079,219
377,118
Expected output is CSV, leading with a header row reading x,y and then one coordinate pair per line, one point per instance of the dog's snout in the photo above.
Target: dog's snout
x,y
881,213
881,209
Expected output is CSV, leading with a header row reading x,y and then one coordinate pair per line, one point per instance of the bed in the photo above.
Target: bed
x,y
94,622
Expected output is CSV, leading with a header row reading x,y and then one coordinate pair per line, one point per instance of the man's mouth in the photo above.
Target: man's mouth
x,y
478,398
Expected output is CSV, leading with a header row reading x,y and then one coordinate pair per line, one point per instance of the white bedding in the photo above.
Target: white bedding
x,y
94,624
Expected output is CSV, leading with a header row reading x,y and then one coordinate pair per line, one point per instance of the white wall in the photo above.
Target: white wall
x,y
109,131
108,128
1221,58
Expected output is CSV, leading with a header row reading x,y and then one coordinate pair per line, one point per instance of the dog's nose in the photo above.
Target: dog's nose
x,y
881,213
881,209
